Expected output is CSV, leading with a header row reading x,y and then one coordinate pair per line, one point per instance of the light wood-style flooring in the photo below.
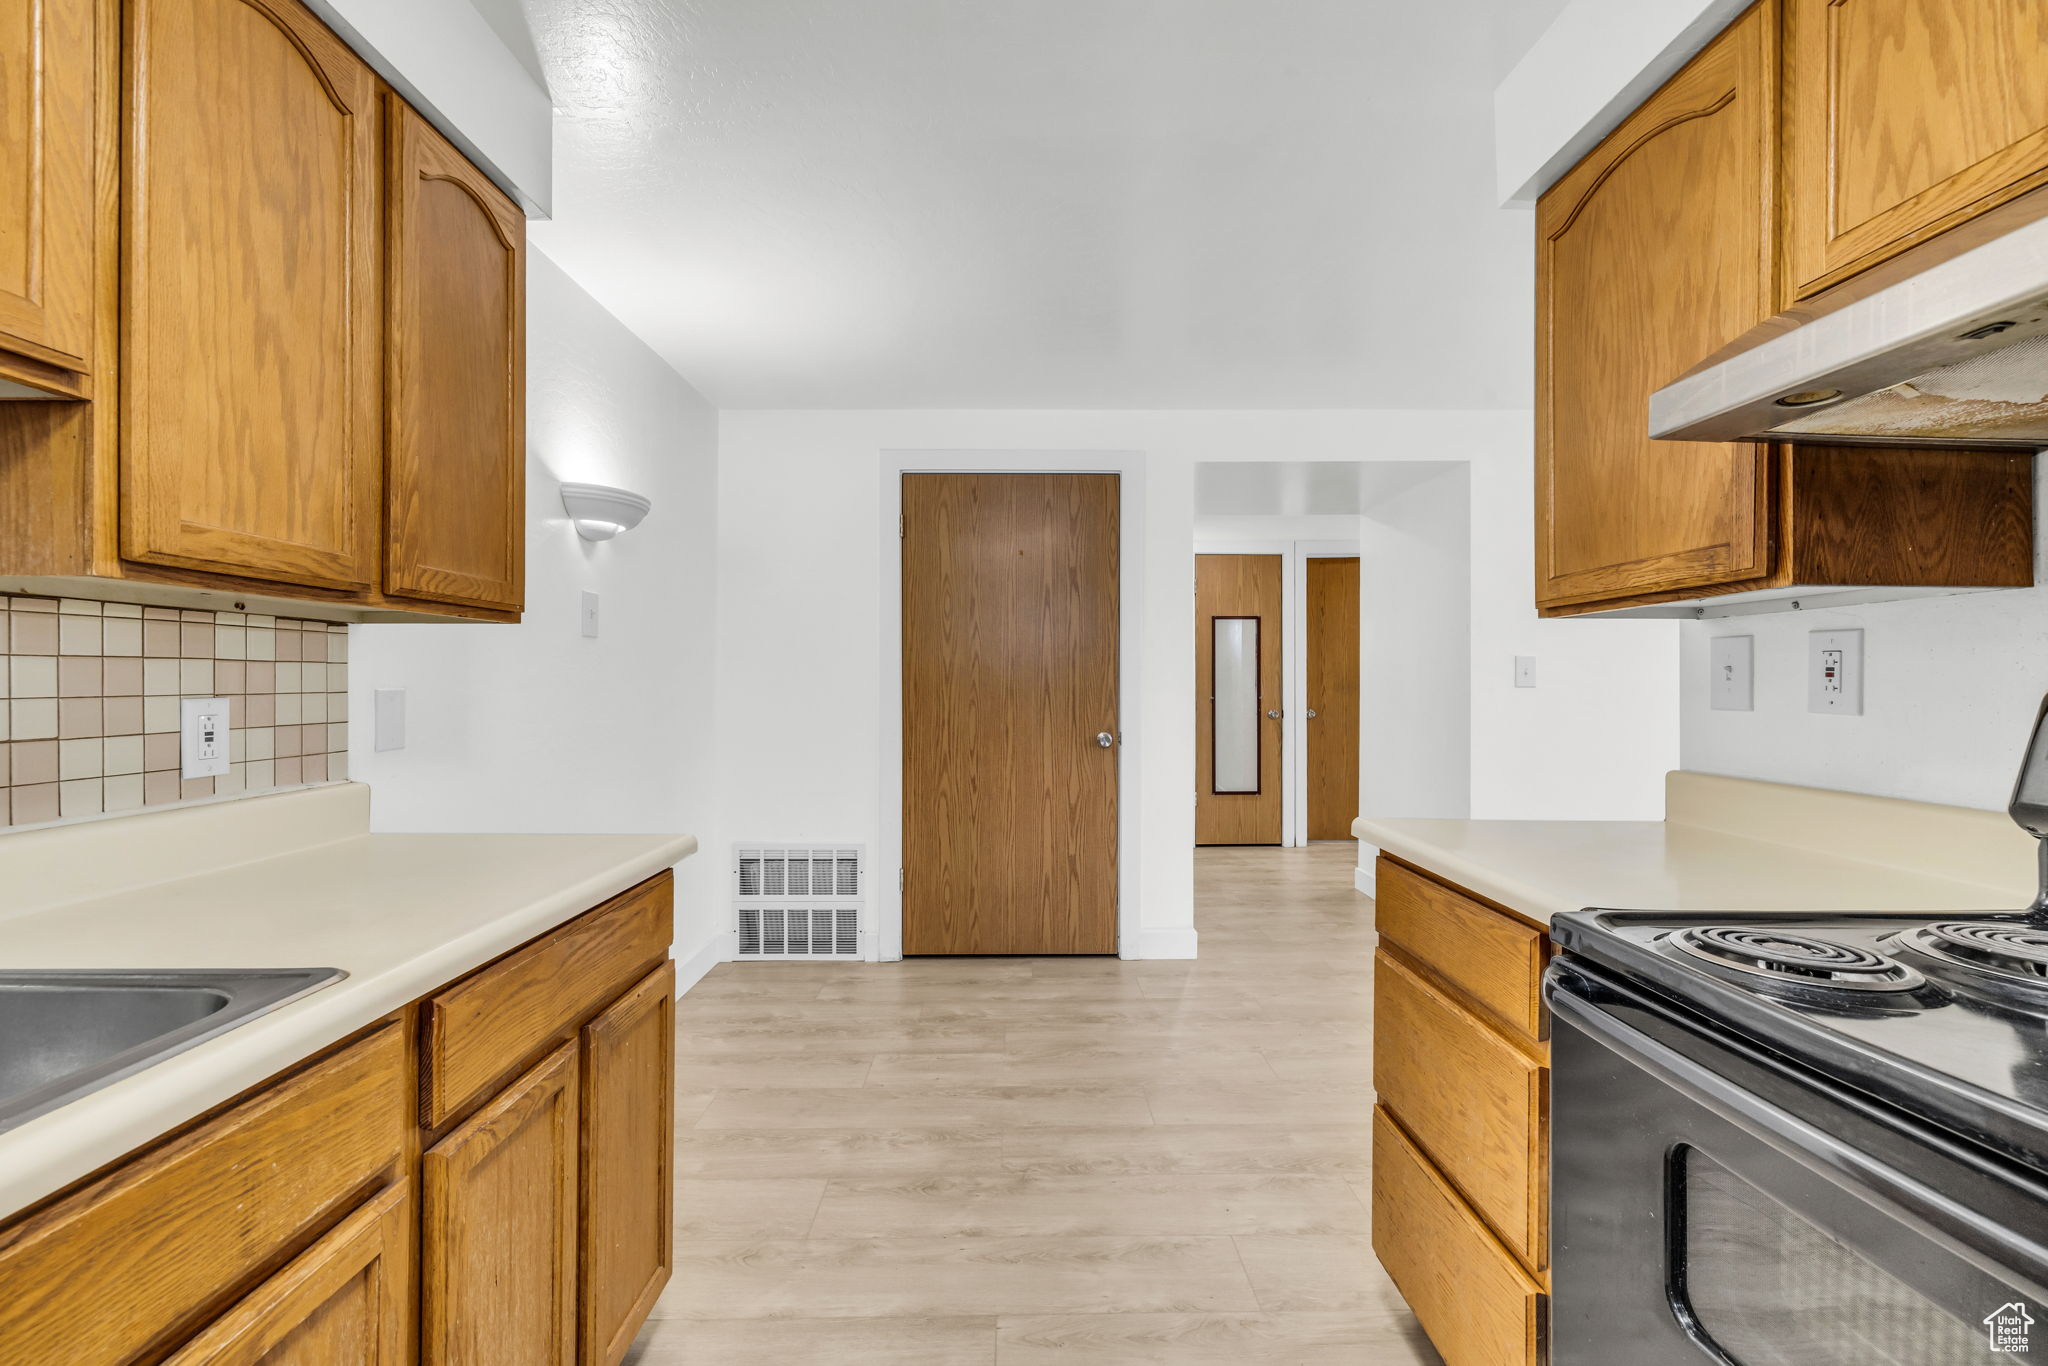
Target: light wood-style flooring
x,y
1043,1162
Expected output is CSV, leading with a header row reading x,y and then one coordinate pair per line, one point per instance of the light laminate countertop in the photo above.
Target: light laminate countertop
x,y
288,881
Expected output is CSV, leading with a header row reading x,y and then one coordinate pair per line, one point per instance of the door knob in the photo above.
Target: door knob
x,y
1104,738
1311,713
1273,715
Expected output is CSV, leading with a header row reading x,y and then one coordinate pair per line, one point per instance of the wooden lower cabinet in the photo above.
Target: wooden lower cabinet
x,y
1461,1142
347,1301
498,1242
323,1220
627,1241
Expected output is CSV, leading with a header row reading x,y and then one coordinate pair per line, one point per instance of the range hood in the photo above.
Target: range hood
x,y
1955,356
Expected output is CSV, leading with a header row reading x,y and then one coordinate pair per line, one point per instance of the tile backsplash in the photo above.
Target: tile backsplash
x,y
89,710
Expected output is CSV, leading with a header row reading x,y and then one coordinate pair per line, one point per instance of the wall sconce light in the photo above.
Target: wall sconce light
x,y
601,513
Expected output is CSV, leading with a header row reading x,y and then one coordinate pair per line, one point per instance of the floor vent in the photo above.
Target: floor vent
x,y
798,901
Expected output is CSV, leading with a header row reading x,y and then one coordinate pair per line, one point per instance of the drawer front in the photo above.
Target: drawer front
x,y
109,1273
1478,1307
1487,954
1472,1100
482,1028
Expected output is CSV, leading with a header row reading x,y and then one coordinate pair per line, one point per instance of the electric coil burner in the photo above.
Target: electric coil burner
x,y
2002,957
1775,958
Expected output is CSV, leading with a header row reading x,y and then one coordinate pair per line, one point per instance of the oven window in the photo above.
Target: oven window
x,y
1772,1289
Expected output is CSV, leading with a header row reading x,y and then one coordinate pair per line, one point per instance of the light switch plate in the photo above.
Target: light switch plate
x,y
1525,671
388,718
203,737
589,615
1834,672
1733,660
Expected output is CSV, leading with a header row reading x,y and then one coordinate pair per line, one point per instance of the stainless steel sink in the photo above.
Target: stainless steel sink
x,y
64,1034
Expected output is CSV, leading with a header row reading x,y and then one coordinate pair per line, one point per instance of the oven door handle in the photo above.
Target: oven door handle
x,y
1999,1252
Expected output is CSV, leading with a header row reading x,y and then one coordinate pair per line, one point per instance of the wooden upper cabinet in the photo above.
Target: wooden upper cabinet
x,y
455,493
1652,254
249,423
1903,119
46,151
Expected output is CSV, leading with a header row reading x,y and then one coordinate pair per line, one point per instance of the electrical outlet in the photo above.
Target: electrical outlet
x,y
1733,660
590,616
1525,671
203,737
1834,672
388,718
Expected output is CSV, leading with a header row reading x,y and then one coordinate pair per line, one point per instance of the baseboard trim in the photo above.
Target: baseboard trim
x,y
1362,877
691,970
1176,942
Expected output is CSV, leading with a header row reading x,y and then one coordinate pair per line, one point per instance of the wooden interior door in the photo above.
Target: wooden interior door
x,y
1331,620
1904,118
345,1301
629,1140
1237,808
46,142
1009,713
498,1236
1668,218
455,458
249,429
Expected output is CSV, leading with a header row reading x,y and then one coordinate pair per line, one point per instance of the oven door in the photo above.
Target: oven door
x,y
1709,1202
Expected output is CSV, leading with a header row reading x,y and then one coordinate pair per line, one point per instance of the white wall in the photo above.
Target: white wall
x,y
801,585
532,728
1596,62
1950,689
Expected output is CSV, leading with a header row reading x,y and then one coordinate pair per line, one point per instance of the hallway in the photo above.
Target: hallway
x,y
1012,1162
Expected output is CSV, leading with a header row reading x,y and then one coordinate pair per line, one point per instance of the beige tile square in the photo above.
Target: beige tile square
x,y
230,782
288,678
6,809
260,710
230,618
290,645
289,708
337,706
204,616
6,683
262,774
256,619
195,788
78,607
33,761
313,678
160,639
195,677
128,610
337,647
161,787
159,614
231,676
313,768
79,718
80,676
287,742
160,752
84,797
161,714
34,805
230,642
337,768
123,754
337,736
122,793
121,637
160,677
288,772
79,759
312,708
121,677
121,716
33,634
261,742
33,718
262,644
195,641
78,635
33,604
262,676
33,675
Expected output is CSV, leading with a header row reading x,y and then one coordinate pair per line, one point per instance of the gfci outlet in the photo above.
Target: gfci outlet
x,y
203,737
1834,672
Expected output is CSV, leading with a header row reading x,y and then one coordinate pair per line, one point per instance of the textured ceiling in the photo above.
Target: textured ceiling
x,y
1045,203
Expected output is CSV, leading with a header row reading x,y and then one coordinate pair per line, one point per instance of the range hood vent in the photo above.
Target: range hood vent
x,y
1955,356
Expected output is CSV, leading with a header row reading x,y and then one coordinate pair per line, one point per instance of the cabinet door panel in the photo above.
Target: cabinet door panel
x,y
346,1301
1652,254
1904,118
498,1239
249,422
628,1150
46,139
455,473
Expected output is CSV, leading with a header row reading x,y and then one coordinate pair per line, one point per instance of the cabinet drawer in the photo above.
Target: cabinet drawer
x,y
1487,954
1478,1307
111,1272
1483,1129
486,1025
